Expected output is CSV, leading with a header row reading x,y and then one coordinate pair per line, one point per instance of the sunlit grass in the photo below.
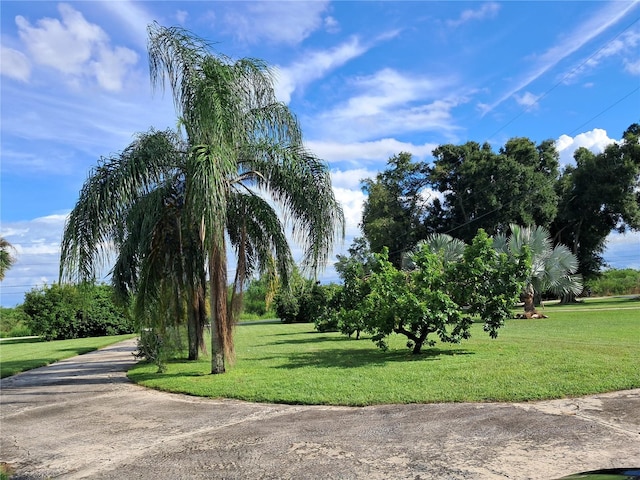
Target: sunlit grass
x,y
572,353
20,355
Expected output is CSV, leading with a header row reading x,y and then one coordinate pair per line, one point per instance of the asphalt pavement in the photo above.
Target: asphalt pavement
x,y
82,418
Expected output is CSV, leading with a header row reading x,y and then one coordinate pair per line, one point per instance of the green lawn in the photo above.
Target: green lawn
x,y
582,349
19,355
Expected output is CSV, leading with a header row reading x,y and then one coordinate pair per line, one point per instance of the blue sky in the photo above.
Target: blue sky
x,y
366,79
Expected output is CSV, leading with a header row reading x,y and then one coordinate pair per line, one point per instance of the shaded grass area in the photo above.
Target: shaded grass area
x,y
573,353
20,355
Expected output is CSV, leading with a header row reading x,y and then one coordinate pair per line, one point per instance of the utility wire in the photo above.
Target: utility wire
x,y
567,75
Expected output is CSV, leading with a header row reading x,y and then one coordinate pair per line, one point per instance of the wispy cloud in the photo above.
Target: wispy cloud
x,y
373,152
316,64
15,64
527,99
486,10
624,46
37,245
272,22
598,23
389,103
134,16
97,128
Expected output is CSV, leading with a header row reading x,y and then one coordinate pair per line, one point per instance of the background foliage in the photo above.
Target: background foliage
x,y
59,312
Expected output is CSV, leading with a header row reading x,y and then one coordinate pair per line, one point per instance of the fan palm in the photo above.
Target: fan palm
x,y
553,267
450,249
241,144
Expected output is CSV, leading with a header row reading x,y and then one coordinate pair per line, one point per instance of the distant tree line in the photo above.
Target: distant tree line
x,y
470,186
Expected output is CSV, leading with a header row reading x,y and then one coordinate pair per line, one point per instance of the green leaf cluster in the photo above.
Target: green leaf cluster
x,y
439,295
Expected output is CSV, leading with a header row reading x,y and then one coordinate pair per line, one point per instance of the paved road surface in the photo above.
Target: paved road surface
x,y
82,418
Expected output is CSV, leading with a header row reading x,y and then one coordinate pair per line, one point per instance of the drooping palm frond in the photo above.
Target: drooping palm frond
x,y
258,236
110,190
300,184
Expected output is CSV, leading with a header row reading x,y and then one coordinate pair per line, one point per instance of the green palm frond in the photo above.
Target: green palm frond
x,y
113,187
552,268
7,257
300,184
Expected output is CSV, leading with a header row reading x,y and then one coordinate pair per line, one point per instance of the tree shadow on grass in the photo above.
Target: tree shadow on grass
x,y
348,358
314,337
13,341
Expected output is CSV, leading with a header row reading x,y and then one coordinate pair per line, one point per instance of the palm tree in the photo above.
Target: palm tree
x,y
553,267
6,257
241,145
450,249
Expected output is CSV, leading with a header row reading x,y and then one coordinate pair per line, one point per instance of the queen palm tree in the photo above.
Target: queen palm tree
x,y
241,145
6,257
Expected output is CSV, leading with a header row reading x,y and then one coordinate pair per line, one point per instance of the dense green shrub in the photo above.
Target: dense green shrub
x,y
257,300
13,322
59,312
287,307
306,301
615,282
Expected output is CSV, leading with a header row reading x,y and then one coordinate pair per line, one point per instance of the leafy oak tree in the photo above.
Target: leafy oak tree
x,y
488,190
393,213
601,193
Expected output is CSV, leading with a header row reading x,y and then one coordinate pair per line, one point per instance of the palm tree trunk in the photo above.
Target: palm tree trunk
x,y
193,323
528,298
219,317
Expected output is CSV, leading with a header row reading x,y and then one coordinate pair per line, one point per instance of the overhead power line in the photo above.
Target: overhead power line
x,y
567,75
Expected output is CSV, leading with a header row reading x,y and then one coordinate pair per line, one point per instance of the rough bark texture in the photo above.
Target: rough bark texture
x,y
528,298
220,347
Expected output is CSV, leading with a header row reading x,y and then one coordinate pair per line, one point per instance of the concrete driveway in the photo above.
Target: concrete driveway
x,y
82,418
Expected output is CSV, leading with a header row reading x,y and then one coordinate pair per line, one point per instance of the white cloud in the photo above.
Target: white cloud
x,y
623,250
352,203
595,140
375,151
273,22
350,179
314,66
331,25
487,10
14,64
633,67
112,65
37,245
527,99
76,48
181,16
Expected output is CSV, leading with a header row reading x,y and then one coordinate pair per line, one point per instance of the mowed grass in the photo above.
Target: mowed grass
x,y
577,351
20,355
